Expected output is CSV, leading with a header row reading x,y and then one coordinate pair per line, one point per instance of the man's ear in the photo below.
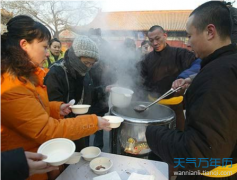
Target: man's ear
x,y
166,35
211,31
24,44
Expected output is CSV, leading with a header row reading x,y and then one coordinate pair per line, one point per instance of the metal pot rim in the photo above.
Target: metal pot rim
x,y
166,120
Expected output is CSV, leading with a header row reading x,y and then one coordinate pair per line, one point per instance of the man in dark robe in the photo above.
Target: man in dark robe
x,y
163,65
210,134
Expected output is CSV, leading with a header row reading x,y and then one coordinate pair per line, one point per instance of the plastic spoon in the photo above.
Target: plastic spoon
x,y
72,102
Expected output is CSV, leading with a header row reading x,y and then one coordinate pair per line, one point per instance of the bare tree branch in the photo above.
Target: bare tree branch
x,y
57,16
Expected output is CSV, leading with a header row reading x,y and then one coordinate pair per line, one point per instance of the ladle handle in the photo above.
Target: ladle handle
x,y
164,96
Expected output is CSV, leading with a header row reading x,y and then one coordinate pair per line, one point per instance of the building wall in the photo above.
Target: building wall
x,y
116,38
177,39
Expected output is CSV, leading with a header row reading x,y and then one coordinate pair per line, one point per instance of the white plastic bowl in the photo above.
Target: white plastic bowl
x,y
58,151
115,121
90,153
101,165
80,108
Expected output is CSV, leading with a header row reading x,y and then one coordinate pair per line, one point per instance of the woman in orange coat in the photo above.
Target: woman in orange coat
x,y
28,118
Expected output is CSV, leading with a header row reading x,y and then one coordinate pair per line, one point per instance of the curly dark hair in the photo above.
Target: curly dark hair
x,y
13,58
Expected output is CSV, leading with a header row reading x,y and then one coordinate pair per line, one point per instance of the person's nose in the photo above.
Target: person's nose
x,y
189,44
155,42
89,65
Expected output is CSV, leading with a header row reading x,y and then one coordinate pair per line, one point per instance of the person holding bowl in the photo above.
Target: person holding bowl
x,y
28,118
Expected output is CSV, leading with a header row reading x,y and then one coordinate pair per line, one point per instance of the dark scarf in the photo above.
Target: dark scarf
x,y
55,57
76,63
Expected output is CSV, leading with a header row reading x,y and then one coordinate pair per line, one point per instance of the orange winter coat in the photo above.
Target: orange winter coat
x,y
29,119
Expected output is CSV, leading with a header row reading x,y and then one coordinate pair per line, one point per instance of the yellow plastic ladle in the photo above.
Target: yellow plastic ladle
x,y
170,101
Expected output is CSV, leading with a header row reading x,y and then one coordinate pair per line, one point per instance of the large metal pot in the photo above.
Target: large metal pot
x,y
131,134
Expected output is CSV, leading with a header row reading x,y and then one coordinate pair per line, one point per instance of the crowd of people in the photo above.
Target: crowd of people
x,y
38,80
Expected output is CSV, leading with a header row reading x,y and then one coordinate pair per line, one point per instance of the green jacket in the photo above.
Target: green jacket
x,y
50,60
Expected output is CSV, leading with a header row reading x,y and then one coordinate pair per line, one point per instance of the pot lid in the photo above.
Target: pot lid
x,y
156,114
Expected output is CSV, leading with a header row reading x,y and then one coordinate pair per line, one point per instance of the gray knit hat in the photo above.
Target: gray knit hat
x,y
85,47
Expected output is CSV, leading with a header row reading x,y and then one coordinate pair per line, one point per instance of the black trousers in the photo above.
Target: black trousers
x,y
98,140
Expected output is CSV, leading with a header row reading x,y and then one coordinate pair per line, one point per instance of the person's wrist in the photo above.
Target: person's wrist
x,y
98,124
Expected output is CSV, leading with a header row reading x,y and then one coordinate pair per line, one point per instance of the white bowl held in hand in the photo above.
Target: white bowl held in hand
x,y
101,165
115,121
80,108
58,151
90,153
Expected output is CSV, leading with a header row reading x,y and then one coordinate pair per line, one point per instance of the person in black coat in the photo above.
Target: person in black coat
x,y
162,66
18,165
144,50
69,77
102,77
210,135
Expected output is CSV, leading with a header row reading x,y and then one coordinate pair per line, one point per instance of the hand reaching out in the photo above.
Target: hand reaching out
x,y
103,124
109,87
36,165
184,83
65,109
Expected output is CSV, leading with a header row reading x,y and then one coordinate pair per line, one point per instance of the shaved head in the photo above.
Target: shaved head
x,y
153,28
213,12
